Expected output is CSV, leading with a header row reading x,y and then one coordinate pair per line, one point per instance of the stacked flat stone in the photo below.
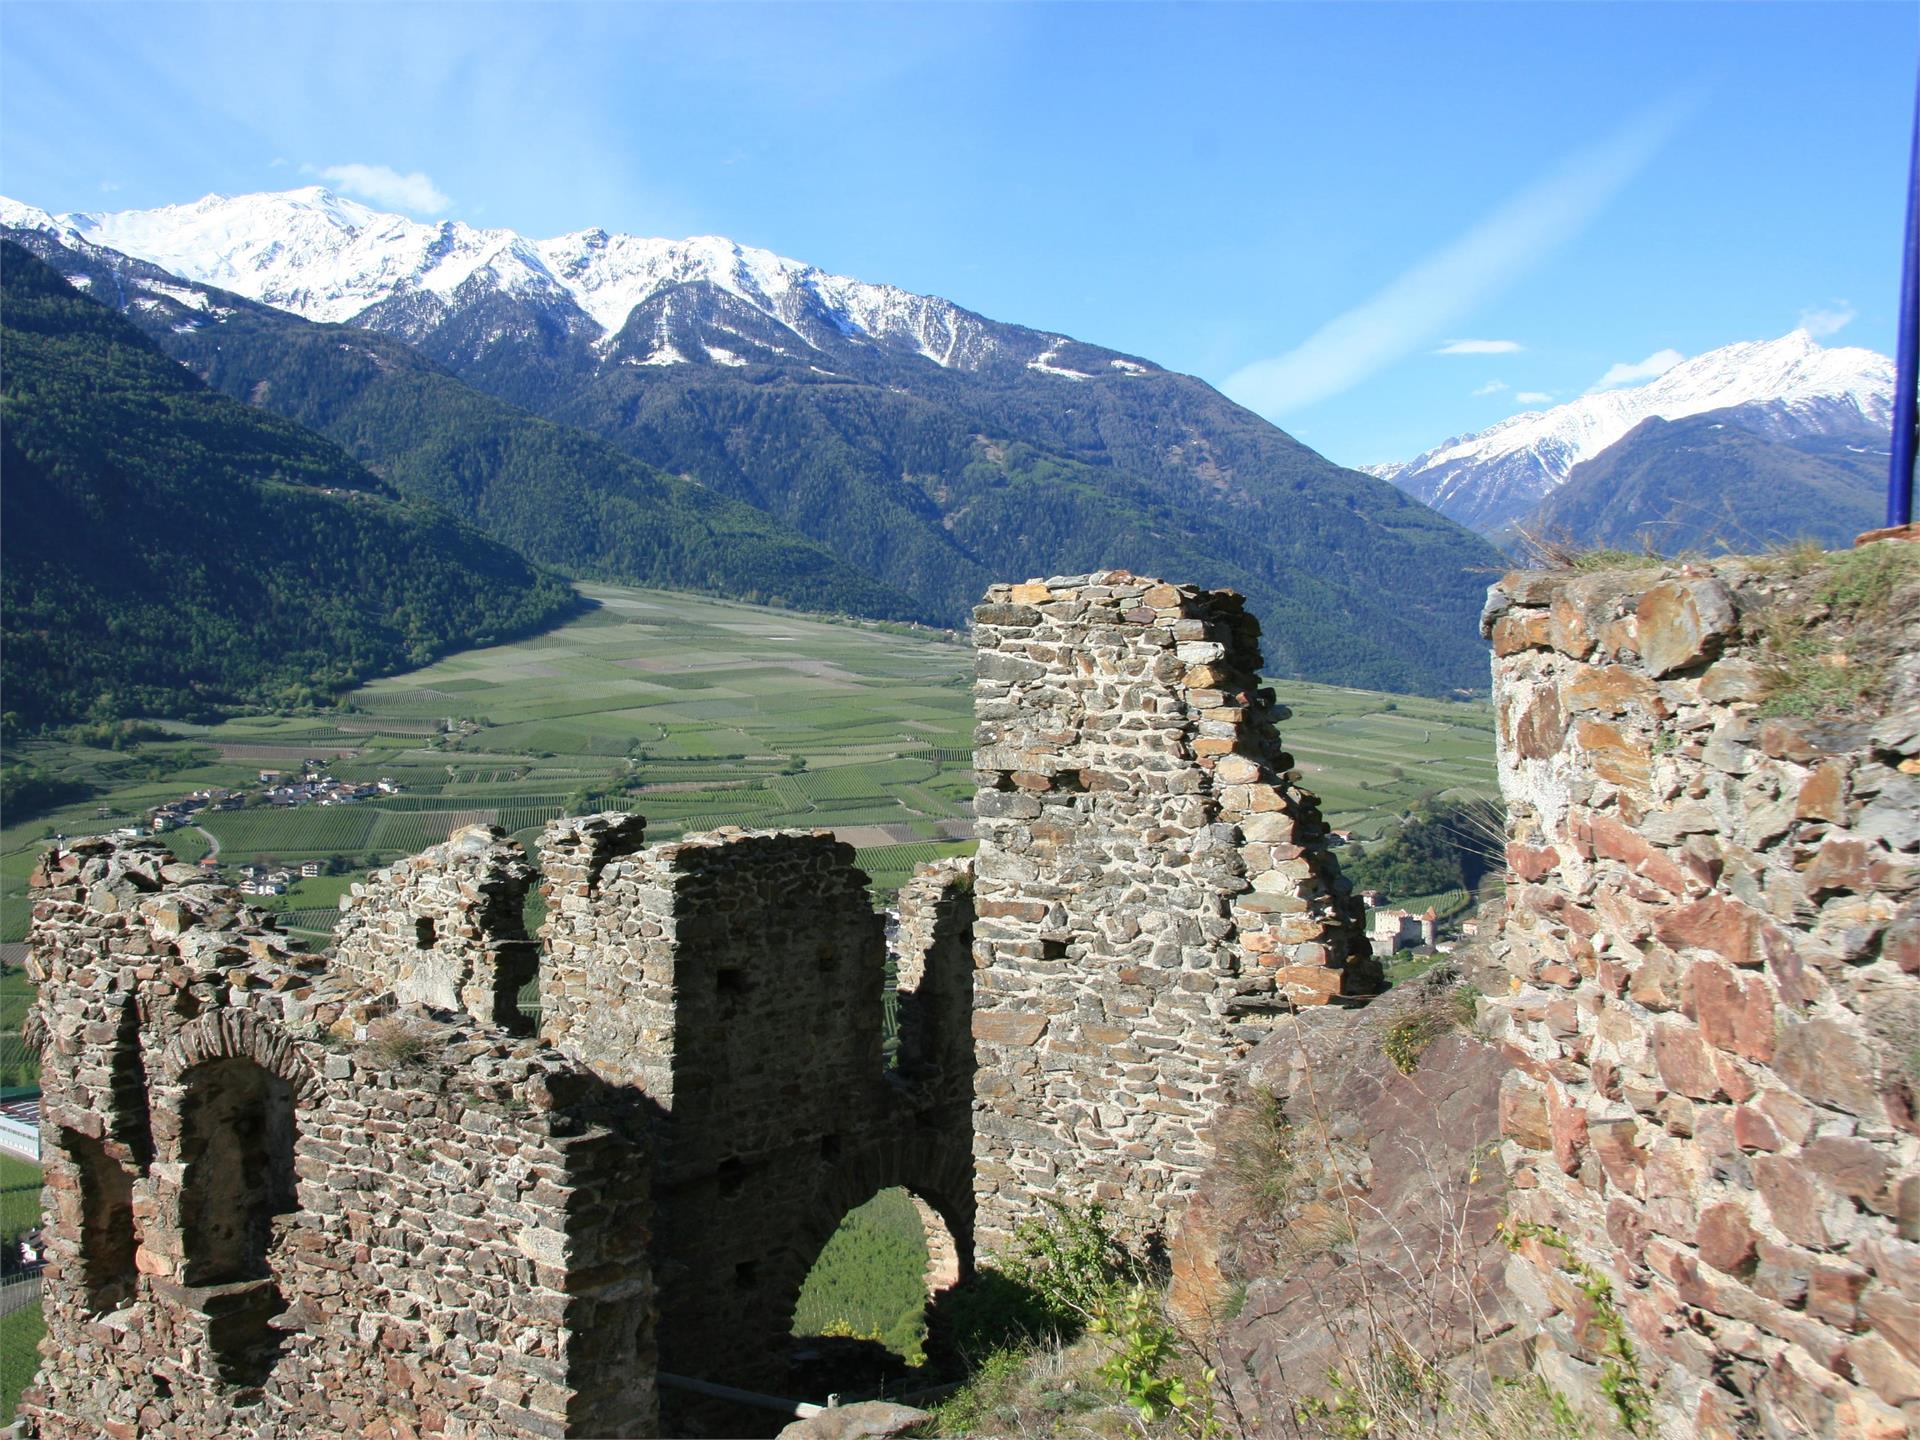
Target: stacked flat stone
x,y
299,1194
1153,886
1712,941
443,928
933,956
448,1241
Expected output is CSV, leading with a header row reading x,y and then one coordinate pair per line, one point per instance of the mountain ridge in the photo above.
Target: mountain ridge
x,y
562,497
1789,387
330,259
1710,483
934,449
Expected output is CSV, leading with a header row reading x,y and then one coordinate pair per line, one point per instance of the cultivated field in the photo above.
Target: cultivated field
x,y
696,712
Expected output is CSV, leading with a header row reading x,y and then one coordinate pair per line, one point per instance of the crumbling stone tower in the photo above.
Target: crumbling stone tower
x,y
1153,886
735,981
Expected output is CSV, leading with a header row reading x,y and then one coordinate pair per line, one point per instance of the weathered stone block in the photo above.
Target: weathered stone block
x,y
1682,623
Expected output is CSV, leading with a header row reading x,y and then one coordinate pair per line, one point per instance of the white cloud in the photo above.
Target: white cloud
x,y
107,187
1531,397
1432,297
1828,320
1629,372
1492,387
1480,347
386,186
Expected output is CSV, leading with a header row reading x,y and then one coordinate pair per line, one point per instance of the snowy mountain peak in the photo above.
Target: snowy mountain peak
x,y
1792,386
327,258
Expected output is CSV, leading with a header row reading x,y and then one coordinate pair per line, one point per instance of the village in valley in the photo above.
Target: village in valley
x,y
310,785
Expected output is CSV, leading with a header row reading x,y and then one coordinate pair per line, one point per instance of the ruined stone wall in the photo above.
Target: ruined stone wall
x,y
304,1194
1712,954
444,928
735,981
1152,885
284,1205
348,1193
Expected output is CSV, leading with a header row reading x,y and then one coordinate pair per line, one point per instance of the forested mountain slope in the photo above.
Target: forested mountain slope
x,y
166,550
560,496
1710,483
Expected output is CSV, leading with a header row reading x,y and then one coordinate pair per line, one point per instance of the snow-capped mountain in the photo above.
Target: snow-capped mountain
x,y
1779,389
326,258
927,447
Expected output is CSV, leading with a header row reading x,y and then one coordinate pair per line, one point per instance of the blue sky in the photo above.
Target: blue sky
x,y
1301,204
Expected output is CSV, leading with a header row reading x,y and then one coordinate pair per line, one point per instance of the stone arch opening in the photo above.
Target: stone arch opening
x,y
886,1259
107,1239
237,1183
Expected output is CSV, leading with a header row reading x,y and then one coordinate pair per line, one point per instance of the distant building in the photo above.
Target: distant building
x,y
1393,930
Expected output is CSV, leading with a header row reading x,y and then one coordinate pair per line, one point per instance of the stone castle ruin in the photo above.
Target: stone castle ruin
x,y
361,1193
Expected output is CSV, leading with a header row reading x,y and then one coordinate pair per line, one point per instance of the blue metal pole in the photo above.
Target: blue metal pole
x,y
1906,425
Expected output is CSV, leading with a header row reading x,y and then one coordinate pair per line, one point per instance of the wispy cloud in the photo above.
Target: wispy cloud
x,y
1432,297
1632,372
1492,387
1826,320
1480,347
1531,397
383,185
107,187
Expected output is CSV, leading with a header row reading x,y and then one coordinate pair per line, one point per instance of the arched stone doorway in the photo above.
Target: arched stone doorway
x,y
874,1276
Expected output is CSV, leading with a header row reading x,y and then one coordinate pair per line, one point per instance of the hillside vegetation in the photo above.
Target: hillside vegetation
x,y
942,483
561,497
168,551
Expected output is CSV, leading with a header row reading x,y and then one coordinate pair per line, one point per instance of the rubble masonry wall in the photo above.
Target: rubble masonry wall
x,y
1153,887
1712,949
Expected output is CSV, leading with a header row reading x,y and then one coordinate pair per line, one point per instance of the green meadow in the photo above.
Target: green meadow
x,y
694,711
